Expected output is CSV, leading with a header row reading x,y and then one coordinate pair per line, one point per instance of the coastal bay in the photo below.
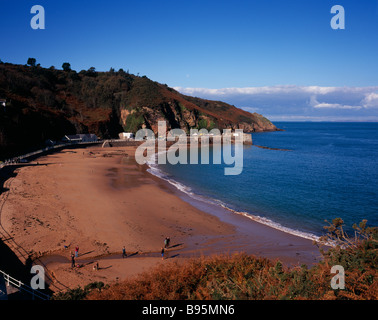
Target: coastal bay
x,y
101,200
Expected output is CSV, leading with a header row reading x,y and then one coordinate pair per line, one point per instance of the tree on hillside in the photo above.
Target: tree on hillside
x,y
91,72
66,66
32,62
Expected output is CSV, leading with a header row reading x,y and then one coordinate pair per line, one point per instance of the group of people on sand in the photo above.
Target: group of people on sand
x,y
74,256
167,242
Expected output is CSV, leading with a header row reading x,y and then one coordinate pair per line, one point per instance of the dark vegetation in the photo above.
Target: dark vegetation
x,y
243,276
49,103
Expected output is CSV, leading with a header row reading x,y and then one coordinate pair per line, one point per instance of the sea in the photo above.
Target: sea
x,y
293,180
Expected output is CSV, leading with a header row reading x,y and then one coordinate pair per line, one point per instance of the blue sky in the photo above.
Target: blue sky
x,y
195,46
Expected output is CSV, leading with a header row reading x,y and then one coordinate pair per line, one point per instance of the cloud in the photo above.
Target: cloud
x,y
316,104
371,100
336,106
274,90
299,102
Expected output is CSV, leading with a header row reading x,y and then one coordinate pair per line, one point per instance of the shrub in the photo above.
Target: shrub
x,y
243,276
134,122
79,293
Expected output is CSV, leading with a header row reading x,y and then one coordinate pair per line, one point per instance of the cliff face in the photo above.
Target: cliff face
x,y
150,102
48,103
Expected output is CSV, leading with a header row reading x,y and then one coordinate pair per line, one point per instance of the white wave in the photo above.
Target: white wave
x,y
275,225
155,170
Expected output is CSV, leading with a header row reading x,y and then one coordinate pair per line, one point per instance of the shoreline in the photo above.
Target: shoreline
x,y
219,205
142,209
254,237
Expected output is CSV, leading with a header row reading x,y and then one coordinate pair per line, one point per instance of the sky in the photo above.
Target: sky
x,y
280,58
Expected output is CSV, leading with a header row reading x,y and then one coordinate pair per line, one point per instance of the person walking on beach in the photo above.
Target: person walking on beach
x,y
162,253
124,255
77,251
72,260
168,241
165,242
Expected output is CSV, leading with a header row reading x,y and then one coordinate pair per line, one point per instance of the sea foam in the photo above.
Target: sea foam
x,y
156,171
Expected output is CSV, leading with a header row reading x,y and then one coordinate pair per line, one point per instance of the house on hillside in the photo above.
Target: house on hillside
x,y
3,103
126,135
82,137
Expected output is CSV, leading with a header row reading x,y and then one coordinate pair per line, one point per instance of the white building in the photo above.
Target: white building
x,y
126,135
3,103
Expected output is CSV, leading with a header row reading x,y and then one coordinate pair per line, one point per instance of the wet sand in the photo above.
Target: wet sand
x,y
100,200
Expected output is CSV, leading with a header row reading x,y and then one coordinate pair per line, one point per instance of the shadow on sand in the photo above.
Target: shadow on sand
x,y
10,262
11,265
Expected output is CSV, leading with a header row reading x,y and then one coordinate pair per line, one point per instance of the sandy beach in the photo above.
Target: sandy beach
x,y
101,200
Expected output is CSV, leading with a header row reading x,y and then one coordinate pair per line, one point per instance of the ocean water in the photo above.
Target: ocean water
x,y
328,170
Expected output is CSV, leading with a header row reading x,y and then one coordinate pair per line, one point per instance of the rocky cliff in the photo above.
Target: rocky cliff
x,y
48,103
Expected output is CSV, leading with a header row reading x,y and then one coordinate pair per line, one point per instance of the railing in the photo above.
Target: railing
x,y
23,287
57,146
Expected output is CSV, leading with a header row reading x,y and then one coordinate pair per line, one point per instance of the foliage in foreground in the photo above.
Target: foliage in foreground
x,y
243,276
79,293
